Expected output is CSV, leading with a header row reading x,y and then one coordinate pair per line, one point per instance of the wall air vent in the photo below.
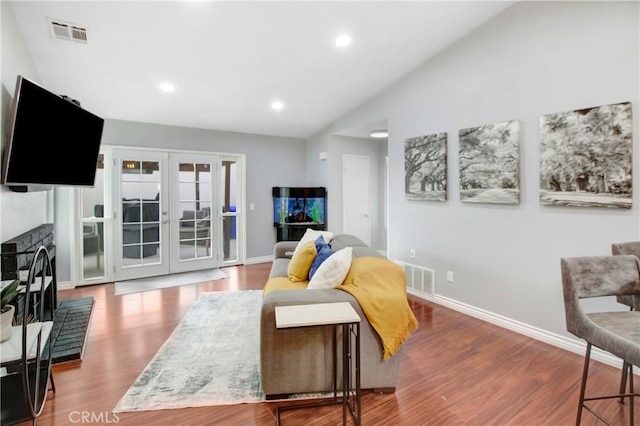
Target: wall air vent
x,y
420,280
67,31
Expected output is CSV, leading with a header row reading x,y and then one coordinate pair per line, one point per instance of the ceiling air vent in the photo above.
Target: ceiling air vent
x,y
66,31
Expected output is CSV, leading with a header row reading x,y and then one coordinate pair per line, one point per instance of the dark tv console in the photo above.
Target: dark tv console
x,y
295,232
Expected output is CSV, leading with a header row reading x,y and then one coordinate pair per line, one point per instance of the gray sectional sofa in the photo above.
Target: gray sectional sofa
x,y
301,360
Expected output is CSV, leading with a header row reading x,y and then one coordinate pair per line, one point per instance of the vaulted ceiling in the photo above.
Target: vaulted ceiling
x,y
229,60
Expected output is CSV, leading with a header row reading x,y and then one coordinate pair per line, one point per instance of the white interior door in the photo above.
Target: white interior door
x,y
356,205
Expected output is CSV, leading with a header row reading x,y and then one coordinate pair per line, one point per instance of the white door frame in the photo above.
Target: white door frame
x,y
113,241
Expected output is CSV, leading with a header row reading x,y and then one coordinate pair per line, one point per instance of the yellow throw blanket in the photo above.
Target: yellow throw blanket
x,y
379,286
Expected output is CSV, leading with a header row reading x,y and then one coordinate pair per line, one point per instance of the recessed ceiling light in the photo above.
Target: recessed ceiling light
x,y
379,134
167,87
343,40
277,105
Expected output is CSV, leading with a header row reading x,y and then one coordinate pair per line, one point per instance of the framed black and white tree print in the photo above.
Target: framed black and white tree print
x,y
425,167
490,163
586,157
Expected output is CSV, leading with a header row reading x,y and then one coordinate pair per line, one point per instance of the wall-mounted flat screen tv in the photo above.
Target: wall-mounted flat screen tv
x,y
299,206
51,140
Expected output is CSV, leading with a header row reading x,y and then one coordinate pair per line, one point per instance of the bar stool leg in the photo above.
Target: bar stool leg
x,y
623,379
583,386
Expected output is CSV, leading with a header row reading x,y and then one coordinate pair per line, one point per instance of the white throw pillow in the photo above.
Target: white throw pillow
x,y
332,271
312,235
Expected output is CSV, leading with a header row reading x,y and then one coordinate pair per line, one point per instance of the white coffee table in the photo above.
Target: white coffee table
x,y
339,314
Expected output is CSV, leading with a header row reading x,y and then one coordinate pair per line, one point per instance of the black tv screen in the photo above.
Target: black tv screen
x,y
51,140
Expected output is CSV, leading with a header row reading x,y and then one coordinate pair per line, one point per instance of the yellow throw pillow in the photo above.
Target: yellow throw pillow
x,y
298,269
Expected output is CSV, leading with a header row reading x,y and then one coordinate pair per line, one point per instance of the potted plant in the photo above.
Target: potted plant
x,y
6,310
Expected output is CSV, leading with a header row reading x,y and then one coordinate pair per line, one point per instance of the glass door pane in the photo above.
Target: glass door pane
x,y
93,242
194,232
229,209
194,198
142,197
140,212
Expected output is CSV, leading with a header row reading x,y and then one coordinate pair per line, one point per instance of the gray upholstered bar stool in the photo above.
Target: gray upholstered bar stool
x,y
615,332
626,248
632,248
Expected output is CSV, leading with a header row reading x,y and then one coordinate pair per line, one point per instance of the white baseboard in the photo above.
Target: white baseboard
x,y
261,259
562,342
65,285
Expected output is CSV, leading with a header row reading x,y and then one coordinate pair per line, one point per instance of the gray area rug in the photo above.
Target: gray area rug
x,y
211,358
164,281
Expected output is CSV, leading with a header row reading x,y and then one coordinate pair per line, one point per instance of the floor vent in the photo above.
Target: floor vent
x,y
66,31
419,278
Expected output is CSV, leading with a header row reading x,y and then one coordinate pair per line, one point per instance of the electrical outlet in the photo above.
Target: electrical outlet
x,y
412,253
450,276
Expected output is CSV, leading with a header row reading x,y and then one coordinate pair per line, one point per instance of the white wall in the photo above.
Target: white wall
x,y
19,212
316,170
532,59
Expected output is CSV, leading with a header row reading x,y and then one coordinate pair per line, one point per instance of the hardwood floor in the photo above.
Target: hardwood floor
x,y
456,370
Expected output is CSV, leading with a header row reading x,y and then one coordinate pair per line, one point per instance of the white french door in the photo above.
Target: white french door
x,y
194,213
176,212
155,213
141,215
